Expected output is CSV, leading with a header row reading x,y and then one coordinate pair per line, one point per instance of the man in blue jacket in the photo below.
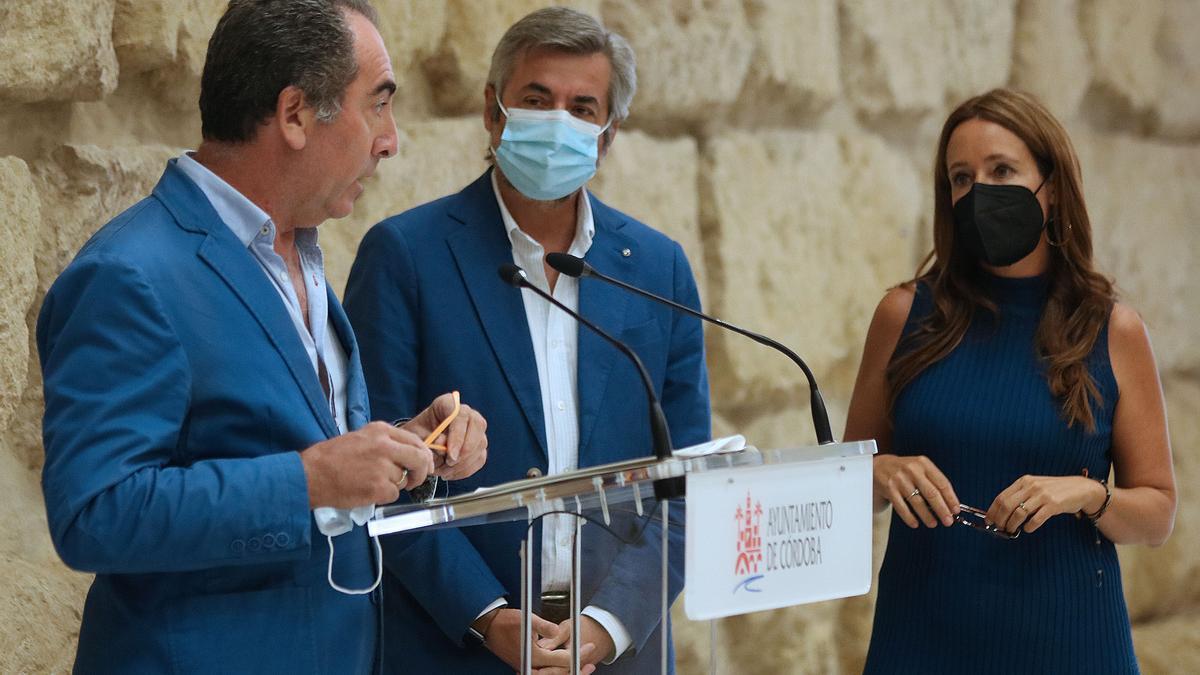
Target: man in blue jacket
x,y
206,415
431,314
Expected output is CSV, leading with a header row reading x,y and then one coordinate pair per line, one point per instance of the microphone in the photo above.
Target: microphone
x,y
515,276
573,266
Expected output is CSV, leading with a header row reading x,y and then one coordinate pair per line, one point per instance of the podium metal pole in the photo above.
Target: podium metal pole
x,y
576,586
666,525
526,605
712,646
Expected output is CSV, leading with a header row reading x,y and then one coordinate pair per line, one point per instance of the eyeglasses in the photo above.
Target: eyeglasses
x,y
428,491
977,519
443,426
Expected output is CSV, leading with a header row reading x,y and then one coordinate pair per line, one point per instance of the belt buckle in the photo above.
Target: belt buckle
x,y
556,606
557,597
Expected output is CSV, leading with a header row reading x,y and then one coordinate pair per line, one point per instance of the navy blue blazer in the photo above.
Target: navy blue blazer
x,y
177,394
432,315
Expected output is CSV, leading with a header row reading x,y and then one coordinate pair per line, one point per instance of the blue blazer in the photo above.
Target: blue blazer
x,y
177,394
432,315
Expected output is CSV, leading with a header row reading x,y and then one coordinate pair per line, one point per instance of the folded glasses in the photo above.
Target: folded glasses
x,y
977,519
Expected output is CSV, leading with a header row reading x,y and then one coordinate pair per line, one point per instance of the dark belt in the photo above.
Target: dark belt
x,y
556,606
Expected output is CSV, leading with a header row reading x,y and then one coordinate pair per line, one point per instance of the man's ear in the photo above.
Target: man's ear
x,y
490,110
606,140
294,116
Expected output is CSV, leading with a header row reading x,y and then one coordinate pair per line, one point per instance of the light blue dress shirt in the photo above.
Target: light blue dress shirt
x,y
254,228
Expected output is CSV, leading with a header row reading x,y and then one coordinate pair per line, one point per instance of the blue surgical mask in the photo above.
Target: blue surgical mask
x,y
547,154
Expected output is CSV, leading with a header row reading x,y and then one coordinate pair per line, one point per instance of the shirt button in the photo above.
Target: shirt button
x,y
562,406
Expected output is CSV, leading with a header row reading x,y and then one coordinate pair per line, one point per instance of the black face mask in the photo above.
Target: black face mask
x,y
999,224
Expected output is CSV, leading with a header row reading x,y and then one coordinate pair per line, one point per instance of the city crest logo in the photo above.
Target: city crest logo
x,y
788,541
749,545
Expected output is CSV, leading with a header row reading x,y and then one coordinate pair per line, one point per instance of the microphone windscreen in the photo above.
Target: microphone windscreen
x,y
566,264
510,274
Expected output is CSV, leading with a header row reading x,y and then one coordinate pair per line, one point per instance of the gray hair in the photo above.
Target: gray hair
x,y
573,32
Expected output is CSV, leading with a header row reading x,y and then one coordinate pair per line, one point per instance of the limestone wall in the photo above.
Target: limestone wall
x,y
786,143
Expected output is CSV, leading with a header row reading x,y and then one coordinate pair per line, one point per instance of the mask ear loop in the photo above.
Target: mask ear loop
x,y
379,549
600,133
356,591
1051,220
1062,240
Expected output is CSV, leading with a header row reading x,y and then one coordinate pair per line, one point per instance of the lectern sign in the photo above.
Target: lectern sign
x,y
777,535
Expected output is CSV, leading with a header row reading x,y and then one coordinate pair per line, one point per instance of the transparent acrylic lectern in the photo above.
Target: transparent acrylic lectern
x,y
817,535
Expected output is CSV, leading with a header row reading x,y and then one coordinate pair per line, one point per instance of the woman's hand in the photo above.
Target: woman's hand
x,y
917,490
1032,500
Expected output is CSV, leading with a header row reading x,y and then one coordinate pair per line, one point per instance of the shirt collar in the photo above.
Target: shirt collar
x,y
585,227
242,216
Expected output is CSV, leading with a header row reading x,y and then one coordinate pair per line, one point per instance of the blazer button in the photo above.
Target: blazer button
x,y
533,473
237,546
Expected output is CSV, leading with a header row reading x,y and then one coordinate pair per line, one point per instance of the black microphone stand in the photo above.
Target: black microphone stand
x,y
573,266
659,431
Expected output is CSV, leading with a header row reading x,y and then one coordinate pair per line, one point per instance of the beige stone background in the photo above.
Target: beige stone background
x,y
786,143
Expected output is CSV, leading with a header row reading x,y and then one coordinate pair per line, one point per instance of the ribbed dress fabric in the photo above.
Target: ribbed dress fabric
x,y
957,600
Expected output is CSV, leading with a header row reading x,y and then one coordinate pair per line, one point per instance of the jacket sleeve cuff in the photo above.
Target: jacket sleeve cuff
x,y
614,627
496,604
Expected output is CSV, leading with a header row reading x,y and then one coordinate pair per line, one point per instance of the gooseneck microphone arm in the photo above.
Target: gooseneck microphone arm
x,y
573,266
660,433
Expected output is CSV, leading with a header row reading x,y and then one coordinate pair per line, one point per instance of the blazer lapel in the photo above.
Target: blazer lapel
x,y
357,407
479,248
226,255
604,305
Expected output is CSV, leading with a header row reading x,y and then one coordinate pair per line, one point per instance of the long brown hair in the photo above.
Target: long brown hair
x,y
1080,299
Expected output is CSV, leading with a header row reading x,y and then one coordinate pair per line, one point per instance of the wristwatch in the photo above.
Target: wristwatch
x,y
474,638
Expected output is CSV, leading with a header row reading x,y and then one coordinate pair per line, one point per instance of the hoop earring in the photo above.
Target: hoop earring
x,y
1062,240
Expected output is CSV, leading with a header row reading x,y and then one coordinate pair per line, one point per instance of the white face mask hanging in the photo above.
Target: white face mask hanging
x,y
334,522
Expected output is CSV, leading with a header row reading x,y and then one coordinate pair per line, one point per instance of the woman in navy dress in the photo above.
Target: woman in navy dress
x,y
1002,385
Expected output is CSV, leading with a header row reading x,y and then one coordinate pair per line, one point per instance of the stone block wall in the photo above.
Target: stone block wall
x,y
785,143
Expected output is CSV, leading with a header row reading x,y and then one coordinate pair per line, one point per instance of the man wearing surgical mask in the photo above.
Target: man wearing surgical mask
x,y
424,290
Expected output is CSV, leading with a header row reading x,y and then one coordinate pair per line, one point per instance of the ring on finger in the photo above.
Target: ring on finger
x,y
1022,506
915,493
403,479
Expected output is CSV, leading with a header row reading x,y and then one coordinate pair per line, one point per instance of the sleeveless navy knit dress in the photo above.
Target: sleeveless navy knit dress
x,y
958,600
